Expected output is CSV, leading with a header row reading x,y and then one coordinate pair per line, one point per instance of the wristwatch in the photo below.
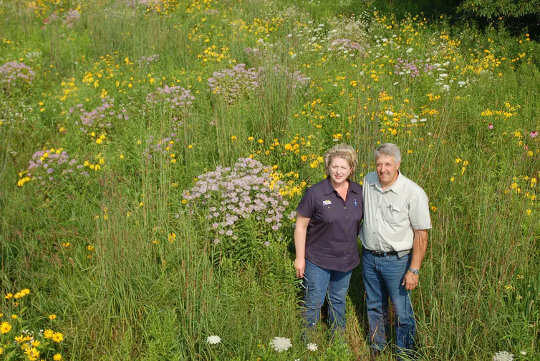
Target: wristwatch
x,y
414,271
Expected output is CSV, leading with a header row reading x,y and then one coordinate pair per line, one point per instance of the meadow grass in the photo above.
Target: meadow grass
x,y
124,267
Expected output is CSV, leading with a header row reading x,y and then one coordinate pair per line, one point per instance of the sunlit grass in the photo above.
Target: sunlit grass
x,y
113,248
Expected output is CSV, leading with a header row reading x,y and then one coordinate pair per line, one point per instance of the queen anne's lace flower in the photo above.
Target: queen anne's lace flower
x,y
503,356
311,347
280,344
213,340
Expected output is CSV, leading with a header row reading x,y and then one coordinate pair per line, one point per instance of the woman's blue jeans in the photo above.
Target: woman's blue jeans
x,y
382,277
318,283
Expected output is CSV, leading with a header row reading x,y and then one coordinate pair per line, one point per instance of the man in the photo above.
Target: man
x,y
394,239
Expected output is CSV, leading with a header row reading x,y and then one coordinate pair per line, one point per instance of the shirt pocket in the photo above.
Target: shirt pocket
x,y
395,214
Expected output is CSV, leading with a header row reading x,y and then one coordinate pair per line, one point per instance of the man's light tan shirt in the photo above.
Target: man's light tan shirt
x,y
392,215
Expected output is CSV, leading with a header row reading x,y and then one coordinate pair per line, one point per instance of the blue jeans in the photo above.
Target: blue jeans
x,y
319,282
382,279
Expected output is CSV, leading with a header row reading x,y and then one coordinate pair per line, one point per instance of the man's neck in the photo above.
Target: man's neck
x,y
386,186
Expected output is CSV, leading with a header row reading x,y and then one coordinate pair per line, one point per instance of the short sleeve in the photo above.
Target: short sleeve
x,y
305,207
419,211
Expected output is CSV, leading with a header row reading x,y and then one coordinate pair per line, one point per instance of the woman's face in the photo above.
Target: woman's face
x,y
339,170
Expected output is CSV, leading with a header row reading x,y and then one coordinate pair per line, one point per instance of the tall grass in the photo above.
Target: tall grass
x,y
132,274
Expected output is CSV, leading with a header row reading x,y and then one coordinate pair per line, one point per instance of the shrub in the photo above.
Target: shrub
x,y
495,8
241,207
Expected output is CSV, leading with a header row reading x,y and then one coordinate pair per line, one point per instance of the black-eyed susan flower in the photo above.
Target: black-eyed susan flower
x,y
57,337
5,327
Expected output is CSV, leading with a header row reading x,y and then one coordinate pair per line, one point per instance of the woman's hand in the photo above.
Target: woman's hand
x,y
300,267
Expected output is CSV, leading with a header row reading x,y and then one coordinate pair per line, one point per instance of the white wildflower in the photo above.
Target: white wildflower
x,y
409,50
280,344
312,347
503,356
213,340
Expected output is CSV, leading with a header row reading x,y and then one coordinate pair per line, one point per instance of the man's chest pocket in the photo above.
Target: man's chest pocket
x,y
395,213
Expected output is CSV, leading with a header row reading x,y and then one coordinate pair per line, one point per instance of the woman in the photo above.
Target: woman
x,y
327,225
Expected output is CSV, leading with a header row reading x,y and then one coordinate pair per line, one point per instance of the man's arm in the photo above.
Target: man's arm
x,y
300,232
420,241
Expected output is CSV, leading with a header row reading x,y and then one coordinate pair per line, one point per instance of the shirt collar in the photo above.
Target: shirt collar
x,y
353,187
396,187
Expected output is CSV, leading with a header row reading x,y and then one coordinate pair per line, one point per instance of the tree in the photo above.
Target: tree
x,y
495,8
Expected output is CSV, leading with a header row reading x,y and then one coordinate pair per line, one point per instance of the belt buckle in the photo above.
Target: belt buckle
x,y
379,253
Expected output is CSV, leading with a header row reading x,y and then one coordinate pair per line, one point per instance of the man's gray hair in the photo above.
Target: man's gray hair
x,y
388,149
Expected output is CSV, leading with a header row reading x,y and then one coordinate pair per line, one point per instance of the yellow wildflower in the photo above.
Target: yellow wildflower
x,y
5,327
57,337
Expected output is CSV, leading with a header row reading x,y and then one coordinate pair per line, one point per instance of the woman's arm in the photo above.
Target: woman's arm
x,y
300,232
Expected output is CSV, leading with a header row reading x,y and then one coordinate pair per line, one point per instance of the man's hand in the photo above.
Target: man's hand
x,y
300,267
410,281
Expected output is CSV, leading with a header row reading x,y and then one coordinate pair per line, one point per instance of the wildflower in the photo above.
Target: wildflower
x,y
172,237
57,337
311,347
280,344
5,327
48,333
52,317
175,97
232,83
503,356
213,340
13,72
32,353
57,357
533,134
490,126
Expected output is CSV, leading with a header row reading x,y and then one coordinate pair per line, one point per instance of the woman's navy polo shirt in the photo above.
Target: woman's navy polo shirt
x,y
331,241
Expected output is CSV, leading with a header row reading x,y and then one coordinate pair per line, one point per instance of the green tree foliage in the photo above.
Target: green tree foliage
x,y
495,8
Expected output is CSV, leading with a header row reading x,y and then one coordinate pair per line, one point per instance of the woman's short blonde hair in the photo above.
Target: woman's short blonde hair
x,y
343,151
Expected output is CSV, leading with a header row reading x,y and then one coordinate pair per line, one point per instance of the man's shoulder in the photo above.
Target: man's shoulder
x,y
371,178
411,187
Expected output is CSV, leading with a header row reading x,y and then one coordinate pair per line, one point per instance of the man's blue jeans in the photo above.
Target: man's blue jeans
x,y
382,277
319,282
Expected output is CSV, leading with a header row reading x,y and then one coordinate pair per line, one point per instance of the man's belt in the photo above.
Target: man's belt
x,y
389,253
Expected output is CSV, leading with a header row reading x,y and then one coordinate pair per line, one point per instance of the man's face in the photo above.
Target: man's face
x,y
387,169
